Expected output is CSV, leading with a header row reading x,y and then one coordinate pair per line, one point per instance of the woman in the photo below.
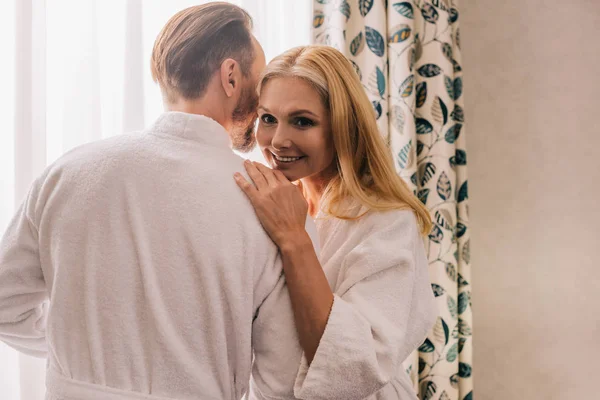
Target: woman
x,y
365,303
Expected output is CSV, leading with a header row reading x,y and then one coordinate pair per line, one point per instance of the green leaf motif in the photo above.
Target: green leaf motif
x,y
436,234
413,178
427,347
405,9
365,6
458,114
421,94
406,88
464,300
461,229
323,1
429,13
428,390
452,307
401,33
464,370
378,109
441,332
451,271
437,290
458,88
454,379
357,69
375,41
447,51
444,187
357,44
318,19
422,365
458,38
404,155
463,328
452,354
466,252
439,111
380,81
411,60
453,17
461,281
453,133
423,194
423,126
461,157
429,70
456,66
345,9
469,396
426,171
461,344
398,119
443,218
463,192
449,86
420,147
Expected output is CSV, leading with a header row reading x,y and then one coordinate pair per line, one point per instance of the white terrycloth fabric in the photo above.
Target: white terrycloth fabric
x,y
154,264
383,309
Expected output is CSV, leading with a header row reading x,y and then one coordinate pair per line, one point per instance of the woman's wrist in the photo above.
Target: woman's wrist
x,y
294,242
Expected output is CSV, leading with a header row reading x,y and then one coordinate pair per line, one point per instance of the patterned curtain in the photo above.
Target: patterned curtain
x,y
407,55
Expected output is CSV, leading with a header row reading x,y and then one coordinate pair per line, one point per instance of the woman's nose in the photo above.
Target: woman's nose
x,y
281,138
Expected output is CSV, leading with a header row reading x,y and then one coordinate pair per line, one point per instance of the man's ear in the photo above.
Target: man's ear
x,y
230,76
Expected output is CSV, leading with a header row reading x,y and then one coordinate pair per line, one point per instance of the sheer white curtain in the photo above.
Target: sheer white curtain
x,y
74,71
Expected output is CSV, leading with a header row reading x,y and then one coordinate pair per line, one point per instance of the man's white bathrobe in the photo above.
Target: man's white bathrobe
x,y
136,266
383,309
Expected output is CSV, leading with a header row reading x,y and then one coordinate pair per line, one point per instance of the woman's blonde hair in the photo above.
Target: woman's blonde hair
x,y
365,167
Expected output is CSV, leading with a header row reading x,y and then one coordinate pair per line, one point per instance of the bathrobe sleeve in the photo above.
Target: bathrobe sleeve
x,y
383,309
23,295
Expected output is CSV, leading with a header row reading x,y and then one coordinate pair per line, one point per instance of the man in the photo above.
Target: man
x,y
135,264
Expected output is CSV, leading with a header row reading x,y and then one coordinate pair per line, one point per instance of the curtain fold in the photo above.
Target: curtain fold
x,y
407,55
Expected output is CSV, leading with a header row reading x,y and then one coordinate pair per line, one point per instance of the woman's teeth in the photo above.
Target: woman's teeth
x,y
286,159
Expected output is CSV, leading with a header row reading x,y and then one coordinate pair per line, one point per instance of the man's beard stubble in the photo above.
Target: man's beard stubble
x,y
244,117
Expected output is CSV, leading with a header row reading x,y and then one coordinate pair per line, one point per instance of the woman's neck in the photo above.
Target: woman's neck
x,y
314,187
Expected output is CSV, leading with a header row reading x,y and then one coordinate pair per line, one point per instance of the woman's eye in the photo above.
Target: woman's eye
x,y
268,119
303,122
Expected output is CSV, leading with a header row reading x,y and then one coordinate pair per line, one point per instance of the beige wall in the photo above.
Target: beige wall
x,y
532,76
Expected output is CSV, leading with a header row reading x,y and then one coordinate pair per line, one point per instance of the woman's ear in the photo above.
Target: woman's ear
x,y
230,77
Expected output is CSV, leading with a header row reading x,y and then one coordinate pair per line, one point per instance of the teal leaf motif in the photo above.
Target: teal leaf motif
x,y
401,33
377,108
461,157
441,332
466,251
420,147
439,111
375,41
423,194
449,86
452,354
436,234
461,281
318,19
454,379
463,192
357,44
444,187
429,13
406,88
426,171
423,126
428,389
429,70
463,328
458,114
453,133
452,162
405,9
380,81
443,218
422,365
365,6
455,333
411,60
421,94
458,37
447,51
469,396
464,299
437,290
404,154
357,69
451,271
323,1
413,178
427,347
461,344
397,116
345,9
453,17
458,88
464,370
456,65
461,229
452,307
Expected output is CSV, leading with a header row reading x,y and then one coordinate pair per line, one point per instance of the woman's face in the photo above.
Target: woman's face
x,y
294,131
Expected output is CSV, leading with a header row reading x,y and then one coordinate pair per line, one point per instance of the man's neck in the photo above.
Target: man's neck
x,y
199,107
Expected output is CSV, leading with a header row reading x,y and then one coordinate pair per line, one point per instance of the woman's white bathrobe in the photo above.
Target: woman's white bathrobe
x,y
154,264
383,309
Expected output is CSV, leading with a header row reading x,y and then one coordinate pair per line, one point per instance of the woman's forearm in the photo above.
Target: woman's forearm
x,y
309,290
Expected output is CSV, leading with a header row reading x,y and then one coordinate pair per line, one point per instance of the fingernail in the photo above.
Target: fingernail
x,y
247,162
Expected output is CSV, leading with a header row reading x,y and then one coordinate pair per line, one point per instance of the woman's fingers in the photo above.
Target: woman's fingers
x,y
257,177
268,173
246,186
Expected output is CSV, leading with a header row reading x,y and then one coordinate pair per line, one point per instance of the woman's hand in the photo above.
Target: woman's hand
x,y
279,204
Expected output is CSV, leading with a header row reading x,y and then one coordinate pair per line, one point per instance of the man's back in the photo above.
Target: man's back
x,y
155,265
